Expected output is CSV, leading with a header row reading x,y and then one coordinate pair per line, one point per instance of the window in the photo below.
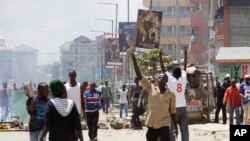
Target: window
x,y
167,30
168,12
184,11
184,30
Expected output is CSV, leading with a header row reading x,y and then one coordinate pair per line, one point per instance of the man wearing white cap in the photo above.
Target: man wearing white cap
x,y
227,82
245,93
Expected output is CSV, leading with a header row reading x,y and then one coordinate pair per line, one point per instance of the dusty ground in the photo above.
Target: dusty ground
x,y
198,132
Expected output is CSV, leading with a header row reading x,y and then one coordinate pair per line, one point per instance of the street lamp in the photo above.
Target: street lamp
x,y
112,21
192,36
116,14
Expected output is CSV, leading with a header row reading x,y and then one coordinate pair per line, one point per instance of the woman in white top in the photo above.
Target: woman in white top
x,y
123,100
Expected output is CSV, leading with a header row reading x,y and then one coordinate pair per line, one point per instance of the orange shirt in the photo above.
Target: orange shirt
x,y
232,93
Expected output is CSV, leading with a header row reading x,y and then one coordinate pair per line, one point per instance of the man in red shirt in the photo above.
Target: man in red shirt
x,y
234,99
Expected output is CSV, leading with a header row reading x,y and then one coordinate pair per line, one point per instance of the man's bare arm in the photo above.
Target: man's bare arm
x,y
161,61
136,67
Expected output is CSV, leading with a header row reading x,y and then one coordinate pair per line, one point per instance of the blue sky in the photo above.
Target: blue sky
x,y
47,24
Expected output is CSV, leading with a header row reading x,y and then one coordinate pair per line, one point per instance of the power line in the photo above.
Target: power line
x,y
48,53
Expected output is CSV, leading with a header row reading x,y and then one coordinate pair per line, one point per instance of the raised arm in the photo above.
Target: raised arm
x,y
161,61
136,67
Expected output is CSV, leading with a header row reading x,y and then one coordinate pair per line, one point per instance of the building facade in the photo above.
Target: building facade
x,y
236,65
199,41
80,55
236,22
18,64
233,34
5,64
25,60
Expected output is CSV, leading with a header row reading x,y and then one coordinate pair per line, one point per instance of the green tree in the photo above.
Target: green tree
x,y
150,60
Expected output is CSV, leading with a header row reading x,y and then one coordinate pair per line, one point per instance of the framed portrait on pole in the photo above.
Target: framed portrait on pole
x,y
148,30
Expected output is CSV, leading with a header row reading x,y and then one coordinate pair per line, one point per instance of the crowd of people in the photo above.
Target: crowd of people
x,y
235,96
161,99
60,115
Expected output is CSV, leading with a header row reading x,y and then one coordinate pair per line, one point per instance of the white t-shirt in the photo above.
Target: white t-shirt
x,y
123,96
178,87
74,93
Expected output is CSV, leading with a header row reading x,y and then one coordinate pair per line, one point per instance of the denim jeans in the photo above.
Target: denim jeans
x,y
235,109
124,106
182,121
35,135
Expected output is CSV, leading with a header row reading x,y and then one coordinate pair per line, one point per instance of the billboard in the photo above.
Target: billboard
x,y
111,46
127,35
148,29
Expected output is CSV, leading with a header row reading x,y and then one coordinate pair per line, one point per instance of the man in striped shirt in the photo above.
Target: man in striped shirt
x,y
93,101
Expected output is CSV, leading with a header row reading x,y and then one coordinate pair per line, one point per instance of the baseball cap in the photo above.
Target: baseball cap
x,y
247,76
227,75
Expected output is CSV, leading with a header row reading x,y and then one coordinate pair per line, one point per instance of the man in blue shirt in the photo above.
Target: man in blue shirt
x,y
94,102
36,109
245,93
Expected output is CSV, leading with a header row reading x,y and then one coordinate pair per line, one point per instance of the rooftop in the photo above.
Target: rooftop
x,y
233,54
23,48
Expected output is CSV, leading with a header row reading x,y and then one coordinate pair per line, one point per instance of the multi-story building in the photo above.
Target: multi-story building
x,y
80,55
236,23
18,64
100,41
233,34
168,29
199,17
24,64
5,63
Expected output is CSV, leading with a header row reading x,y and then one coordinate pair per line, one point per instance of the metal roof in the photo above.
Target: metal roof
x,y
233,54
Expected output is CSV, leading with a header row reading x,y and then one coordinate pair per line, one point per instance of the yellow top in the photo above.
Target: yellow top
x,y
159,107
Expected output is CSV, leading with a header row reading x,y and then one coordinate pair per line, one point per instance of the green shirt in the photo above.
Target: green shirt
x,y
106,91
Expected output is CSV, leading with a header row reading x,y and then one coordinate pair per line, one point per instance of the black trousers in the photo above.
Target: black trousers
x,y
92,121
163,133
224,112
137,112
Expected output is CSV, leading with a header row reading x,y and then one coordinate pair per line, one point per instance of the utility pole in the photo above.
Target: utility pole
x,y
150,6
112,25
211,48
125,59
178,50
128,10
116,15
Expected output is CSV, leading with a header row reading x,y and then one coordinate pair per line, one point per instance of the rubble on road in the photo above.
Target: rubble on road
x,y
13,125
